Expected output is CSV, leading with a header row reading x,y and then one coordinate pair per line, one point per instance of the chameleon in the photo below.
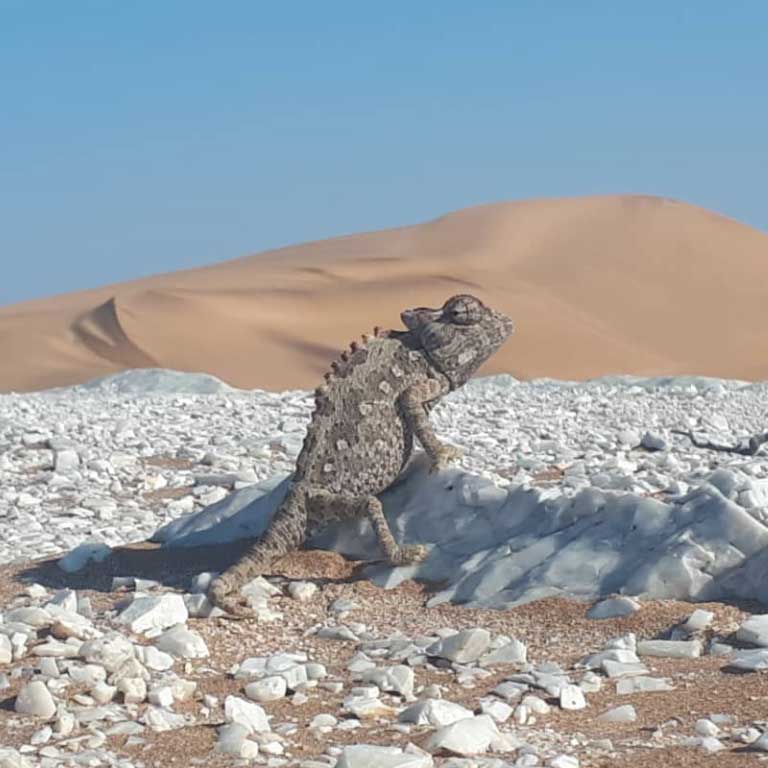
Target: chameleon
x,y
375,399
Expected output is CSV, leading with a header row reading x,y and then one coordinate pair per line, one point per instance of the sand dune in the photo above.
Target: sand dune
x,y
596,285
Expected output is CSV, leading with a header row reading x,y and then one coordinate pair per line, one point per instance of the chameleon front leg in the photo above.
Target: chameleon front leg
x,y
413,402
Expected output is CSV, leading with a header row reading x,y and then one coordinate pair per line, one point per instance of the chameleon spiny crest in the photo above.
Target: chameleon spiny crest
x,y
374,400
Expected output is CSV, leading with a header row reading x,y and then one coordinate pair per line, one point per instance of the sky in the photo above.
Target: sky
x,y
149,136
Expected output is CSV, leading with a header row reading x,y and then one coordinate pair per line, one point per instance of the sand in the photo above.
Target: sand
x,y
596,285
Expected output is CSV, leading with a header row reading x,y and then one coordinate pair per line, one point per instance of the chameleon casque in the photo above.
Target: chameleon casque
x,y
375,399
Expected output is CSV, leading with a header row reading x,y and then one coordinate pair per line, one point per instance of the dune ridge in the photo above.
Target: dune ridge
x,y
597,285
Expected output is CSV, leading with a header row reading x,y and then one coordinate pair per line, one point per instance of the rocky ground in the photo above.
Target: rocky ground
x,y
118,659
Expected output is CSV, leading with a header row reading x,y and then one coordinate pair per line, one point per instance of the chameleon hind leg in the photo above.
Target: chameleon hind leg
x,y
328,506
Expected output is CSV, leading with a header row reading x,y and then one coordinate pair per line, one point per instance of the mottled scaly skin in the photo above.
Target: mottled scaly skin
x,y
375,400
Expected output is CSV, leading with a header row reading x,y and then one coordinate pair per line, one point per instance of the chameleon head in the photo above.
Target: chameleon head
x,y
460,336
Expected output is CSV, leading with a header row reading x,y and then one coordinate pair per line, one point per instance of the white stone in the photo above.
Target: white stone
x,y
513,652
436,712
83,554
754,630
6,650
161,696
267,689
35,699
148,613
572,697
183,643
471,736
111,652
563,761
699,620
705,727
672,649
622,714
159,719
233,740
640,684
248,714
65,461
153,658
303,591
463,647
500,711
134,689
371,756
398,679
613,607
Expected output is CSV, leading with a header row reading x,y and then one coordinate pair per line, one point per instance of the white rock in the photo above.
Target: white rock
x,y
754,630
111,651
65,461
159,719
513,652
148,613
83,554
471,736
367,707
323,721
11,758
572,697
642,684
248,714
500,711
699,620
183,643
6,650
303,591
563,761
102,693
705,727
35,699
134,689
153,658
750,660
672,649
370,756
398,679
463,647
620,669
623,714
711,744
435,712
267,689
613,607
161,696
233,740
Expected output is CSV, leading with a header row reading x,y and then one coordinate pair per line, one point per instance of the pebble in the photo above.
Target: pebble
x,y
613,607
437,713
462,648
181,642
572,697
150,613
754,630
267,689
246,713
622,714
672,649
35,699
373,756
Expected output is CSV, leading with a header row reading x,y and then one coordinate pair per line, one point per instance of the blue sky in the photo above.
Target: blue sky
x,y
149,136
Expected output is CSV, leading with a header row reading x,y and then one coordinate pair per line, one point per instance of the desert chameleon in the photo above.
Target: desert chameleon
x,y
375,399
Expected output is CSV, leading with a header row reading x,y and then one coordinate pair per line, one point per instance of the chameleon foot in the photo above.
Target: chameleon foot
x,y
445,455
414,553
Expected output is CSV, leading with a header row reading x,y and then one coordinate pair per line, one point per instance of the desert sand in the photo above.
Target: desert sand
x,y
596,285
